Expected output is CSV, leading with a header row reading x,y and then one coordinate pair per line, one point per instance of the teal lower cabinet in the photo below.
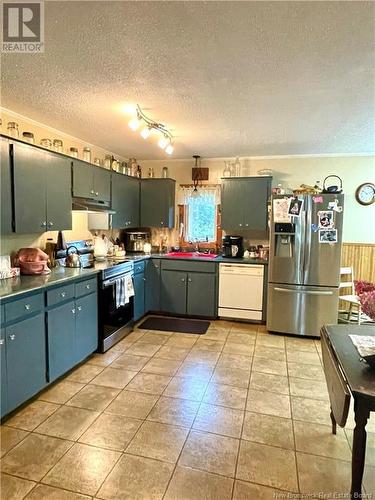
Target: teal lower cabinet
x,y
86,334
152,285
173,291
72,329
3,367
201,296
61,324
189,287
139,296
25,360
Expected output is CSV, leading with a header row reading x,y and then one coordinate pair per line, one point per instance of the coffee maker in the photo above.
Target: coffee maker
x,y
135,240
233,246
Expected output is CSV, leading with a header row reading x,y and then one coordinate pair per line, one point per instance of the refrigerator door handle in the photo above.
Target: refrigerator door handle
x,y
307,240
306,292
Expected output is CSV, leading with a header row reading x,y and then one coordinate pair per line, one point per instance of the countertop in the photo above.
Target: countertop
x,y
12,287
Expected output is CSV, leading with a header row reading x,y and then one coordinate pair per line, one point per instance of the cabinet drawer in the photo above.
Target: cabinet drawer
x,y
139,267
188,265
60,294
86,287
23,307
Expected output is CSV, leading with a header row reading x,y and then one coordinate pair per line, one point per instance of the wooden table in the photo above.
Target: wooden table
x,y
347,376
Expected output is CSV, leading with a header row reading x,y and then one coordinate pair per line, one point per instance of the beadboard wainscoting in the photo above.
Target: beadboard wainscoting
x,y
361,256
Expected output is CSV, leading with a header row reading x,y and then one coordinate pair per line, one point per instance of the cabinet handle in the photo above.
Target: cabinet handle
x,y
183,280
62,294
27,307
92,191
144,279
43,224
50,223
96,193
161,222
87,287
156,266
79,308
12,337
247,225
2,342
73,311
240,225
189,280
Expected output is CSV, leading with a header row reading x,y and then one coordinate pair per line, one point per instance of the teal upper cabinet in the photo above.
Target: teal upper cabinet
x,y
157,202
6,189
58,177
244,203
90,181
42,190
125,201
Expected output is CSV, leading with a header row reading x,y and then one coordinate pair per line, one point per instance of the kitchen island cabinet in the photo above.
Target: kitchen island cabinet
x,y
125,201
244,203
42,190
158,202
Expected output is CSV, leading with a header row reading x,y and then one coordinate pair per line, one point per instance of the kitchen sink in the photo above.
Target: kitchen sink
x,y
192,255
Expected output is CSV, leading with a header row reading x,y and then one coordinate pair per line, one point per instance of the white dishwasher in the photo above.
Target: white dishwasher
x,y
241,291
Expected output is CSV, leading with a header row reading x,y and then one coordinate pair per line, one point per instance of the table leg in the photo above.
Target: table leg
x,y
333,420
361,414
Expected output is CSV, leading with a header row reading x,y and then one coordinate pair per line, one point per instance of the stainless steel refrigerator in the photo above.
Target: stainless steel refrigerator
x,y
304,266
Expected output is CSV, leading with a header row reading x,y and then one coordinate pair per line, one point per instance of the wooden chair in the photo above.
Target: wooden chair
x,y
351,299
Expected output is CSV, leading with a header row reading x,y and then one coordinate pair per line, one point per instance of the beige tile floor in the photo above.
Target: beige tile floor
x,y
236,413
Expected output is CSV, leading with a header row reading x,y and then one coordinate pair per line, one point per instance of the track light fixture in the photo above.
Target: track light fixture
x,y
149,126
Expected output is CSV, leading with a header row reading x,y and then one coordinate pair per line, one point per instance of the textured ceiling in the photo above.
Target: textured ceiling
x,y
229,78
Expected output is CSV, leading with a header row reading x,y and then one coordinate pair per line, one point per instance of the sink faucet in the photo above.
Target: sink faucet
x,y
195,245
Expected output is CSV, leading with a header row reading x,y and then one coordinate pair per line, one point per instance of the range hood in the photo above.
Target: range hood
x,y
91,205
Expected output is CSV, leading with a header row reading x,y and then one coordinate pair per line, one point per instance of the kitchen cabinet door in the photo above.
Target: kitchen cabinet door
x,y
61,323
58,192
86,334
157,202
244,203
173,292
3,367
25,359
256,192
6,188
125,201
152,290
139,296
201,294
29,189
102,183
83,179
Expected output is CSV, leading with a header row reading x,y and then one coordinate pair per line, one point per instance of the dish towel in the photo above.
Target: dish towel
x,y
129,288
120,293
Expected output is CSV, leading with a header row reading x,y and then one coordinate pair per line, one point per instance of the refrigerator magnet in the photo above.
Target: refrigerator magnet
x,y
318,199
295,207
327,235
314,228
326,220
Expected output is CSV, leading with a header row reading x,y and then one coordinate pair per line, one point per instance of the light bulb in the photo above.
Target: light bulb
x,y
134,123
169,149
145,132
162,143
130,109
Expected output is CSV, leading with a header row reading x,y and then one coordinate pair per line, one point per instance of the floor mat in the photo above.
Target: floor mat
x,y
181,325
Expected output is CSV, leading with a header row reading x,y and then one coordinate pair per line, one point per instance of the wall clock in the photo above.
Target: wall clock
x,y
365,193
